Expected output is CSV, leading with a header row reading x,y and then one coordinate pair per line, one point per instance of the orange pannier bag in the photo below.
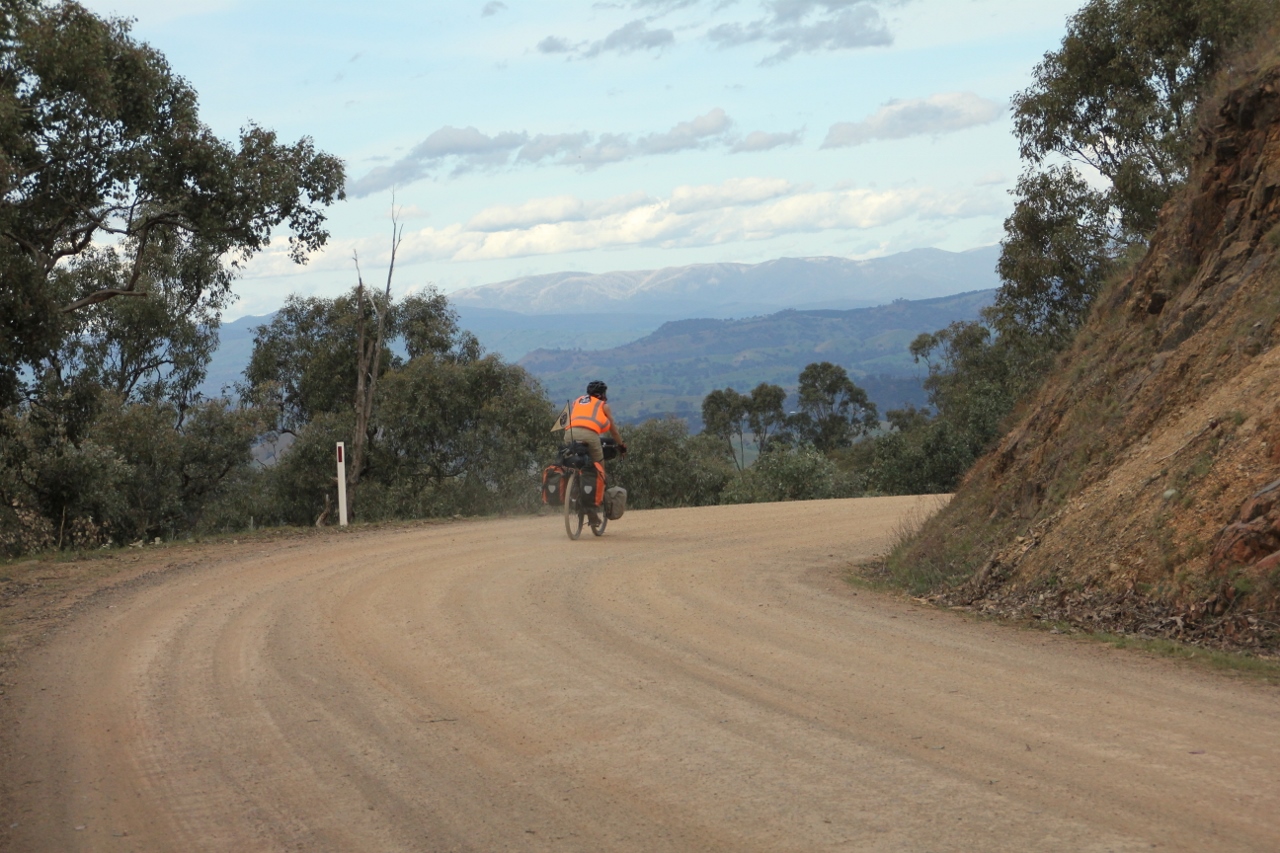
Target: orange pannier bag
x,y
553,483
593,485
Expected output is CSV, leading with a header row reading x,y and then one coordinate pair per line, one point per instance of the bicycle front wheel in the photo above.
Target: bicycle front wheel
x,y
573,514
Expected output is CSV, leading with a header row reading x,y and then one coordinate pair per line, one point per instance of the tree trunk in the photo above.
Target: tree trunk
x,y
369,360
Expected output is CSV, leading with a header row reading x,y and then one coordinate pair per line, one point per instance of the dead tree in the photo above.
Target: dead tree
x,y
369,355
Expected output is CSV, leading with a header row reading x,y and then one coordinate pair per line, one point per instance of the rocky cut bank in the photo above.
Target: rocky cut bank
x,y
1139,490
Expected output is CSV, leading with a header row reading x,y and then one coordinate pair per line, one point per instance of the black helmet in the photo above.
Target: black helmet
x,y
596,388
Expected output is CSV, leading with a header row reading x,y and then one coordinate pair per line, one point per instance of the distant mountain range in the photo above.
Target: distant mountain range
x,y
671,370
507,333
742,290
567,325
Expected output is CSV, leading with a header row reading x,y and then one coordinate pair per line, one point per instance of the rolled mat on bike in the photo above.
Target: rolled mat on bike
x,y
615,503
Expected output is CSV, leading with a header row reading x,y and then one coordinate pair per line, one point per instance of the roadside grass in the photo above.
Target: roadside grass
x,y
926,552
1239,663
876,576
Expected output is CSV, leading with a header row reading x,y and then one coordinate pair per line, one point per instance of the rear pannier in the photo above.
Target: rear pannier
x,y
553,484
593,485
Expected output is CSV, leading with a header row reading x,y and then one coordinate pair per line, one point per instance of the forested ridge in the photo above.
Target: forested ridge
x,y
672,369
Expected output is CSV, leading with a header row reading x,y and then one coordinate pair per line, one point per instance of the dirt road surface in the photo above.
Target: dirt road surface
x,y
692,681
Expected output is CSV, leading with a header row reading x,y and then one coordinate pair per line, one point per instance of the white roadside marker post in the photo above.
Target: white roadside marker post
x,y
342,484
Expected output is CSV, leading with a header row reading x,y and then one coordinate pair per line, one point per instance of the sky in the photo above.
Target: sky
x,y
517,138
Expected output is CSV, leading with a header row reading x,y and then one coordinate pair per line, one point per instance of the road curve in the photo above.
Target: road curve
x,y
695,680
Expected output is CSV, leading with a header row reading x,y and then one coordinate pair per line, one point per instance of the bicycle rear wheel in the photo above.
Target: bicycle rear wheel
x,y
573,515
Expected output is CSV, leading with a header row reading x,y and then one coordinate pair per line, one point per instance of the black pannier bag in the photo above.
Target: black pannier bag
x,y
608,449
593,485
615,502
553,483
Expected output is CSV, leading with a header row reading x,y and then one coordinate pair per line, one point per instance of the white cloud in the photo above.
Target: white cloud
x,y
466,148
549,146
555,44
552,210
758,140
809,26
687,134
403,213
664,6
493,7
740,209
461,150
936,114
630,38
733,192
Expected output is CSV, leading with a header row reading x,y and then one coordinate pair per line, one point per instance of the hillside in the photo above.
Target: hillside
x,y
1139,490
671,370
742,290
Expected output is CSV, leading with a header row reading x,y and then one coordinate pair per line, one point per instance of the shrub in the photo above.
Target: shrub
x,y
785,474
665,467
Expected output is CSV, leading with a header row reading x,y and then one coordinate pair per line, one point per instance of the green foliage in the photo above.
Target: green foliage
x,y
102,143
124,223
972,384
173,469
924,459
665,467
767,415
428,326
475,430
833,410
304,361
303,483
725,415
149,349
730,417
134,471
787,474
1119,98
1120,95
450,431
972,379
1058,249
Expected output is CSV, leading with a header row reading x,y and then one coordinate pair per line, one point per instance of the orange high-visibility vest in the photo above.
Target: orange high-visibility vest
x,y
588,413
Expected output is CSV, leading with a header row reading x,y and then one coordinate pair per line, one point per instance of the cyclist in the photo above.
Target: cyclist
x,y
590,418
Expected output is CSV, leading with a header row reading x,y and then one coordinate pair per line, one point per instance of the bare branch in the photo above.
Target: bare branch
x,y
100,296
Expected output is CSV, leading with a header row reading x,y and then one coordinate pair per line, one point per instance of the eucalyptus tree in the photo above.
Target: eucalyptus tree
x,y
725,415
833,409
102,150
1117,100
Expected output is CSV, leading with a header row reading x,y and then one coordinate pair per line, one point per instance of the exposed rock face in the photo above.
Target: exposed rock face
x,y
1253,541
1133,492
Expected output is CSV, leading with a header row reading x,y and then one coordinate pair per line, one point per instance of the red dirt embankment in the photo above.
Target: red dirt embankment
x,y
1139,491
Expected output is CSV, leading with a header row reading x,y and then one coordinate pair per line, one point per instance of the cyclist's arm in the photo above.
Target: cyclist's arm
x,y
613,425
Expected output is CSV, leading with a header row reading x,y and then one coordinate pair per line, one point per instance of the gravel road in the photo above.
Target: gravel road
x,y
697,680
